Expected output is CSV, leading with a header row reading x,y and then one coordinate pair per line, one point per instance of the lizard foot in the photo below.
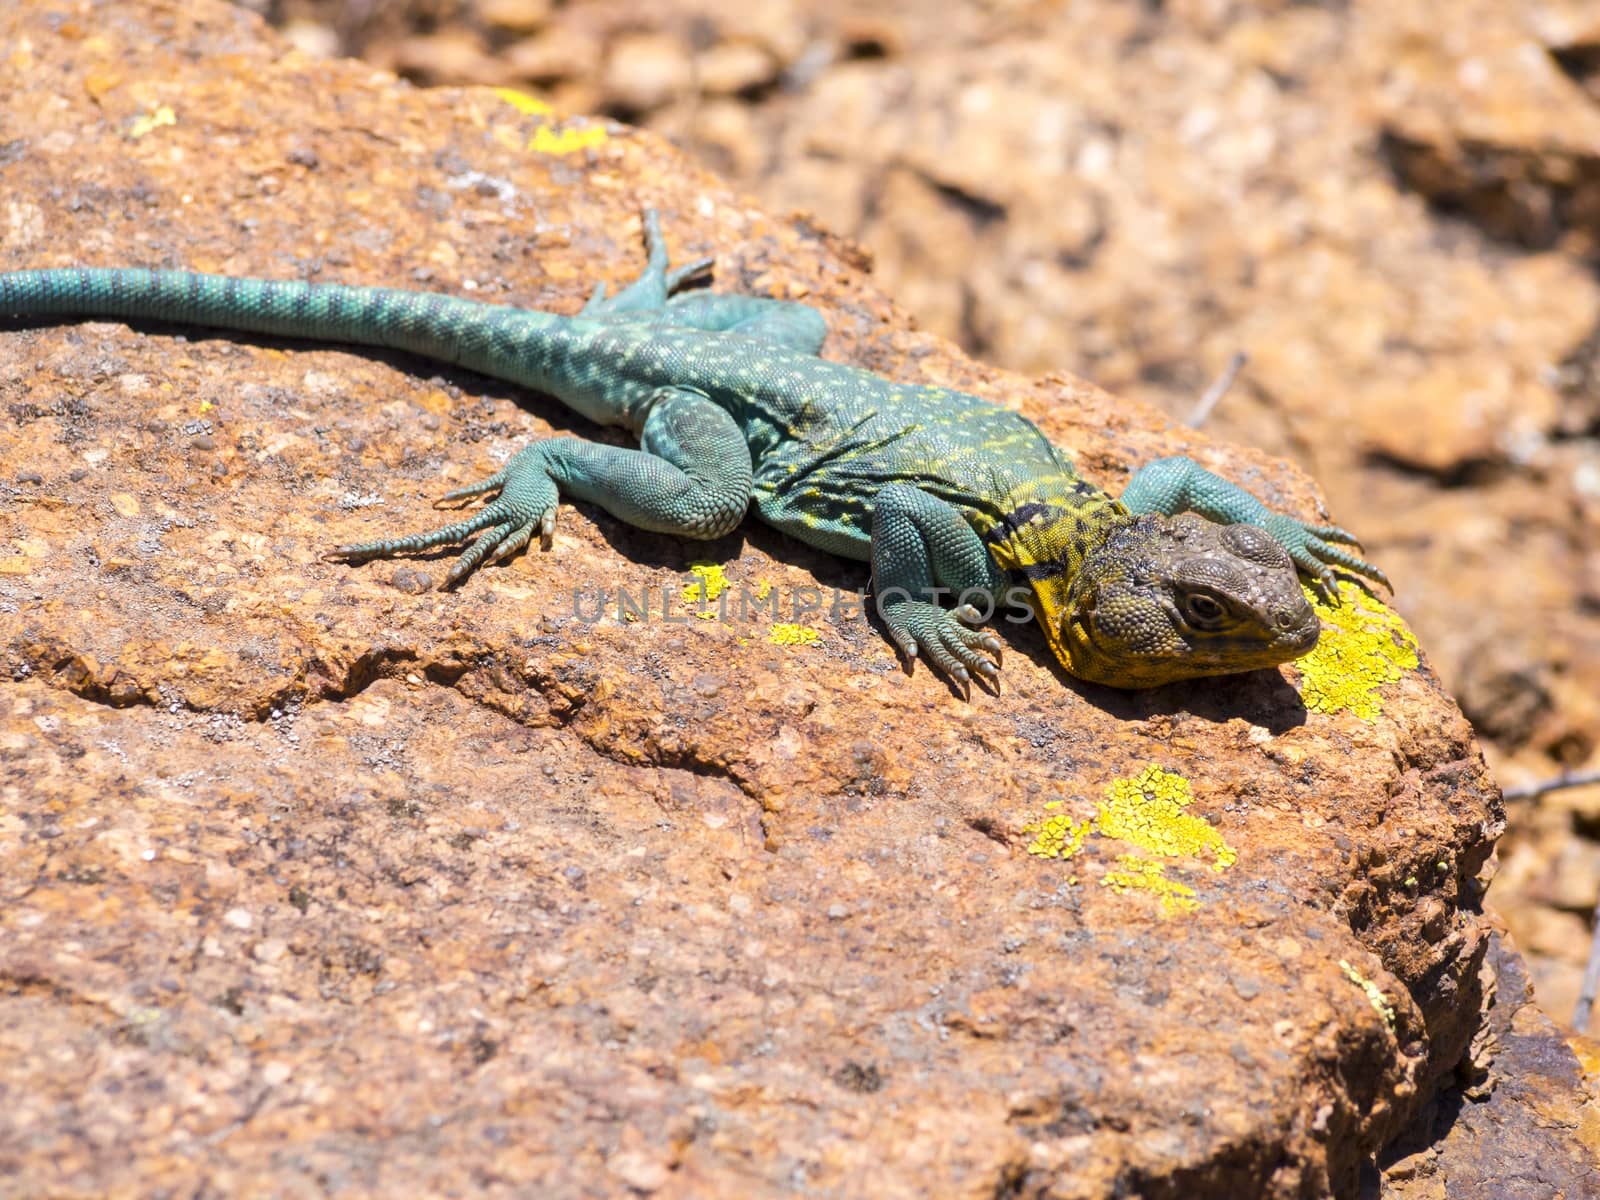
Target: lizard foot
x,y
694,274
655,283
525,506
961,652
1315,552
690,274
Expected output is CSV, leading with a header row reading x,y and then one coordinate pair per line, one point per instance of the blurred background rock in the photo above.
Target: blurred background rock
x,y
1394,214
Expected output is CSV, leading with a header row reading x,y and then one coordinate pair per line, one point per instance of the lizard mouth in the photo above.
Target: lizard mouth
x,y
1177,652
1303,640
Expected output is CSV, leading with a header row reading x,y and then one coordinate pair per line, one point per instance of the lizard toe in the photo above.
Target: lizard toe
x,y
482,547
514,542
482,488
445,535
1350,562
526,506
1333,533
1317,549
1327,586
925,630
968,647
983,666
904,639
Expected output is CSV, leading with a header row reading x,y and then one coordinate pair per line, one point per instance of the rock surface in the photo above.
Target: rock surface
x,y
317,879
1524,1118
1396,216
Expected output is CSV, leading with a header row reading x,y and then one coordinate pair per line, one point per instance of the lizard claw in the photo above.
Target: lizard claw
x,y
925,630
988,643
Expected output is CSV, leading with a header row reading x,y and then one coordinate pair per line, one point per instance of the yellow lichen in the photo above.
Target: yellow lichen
x,y
530,105
709,582
1057,836
1374,993
567,141
763,588
1134,873
1364,645
151,121
547,139
1146,811
793,635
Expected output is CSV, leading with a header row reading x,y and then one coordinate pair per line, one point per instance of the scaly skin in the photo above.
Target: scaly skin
x,y
942,492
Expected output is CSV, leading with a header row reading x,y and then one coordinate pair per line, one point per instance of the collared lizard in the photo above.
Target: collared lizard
x,y
731,403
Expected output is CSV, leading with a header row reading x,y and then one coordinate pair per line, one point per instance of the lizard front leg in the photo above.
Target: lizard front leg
x,y
1179,484
691,477
921,544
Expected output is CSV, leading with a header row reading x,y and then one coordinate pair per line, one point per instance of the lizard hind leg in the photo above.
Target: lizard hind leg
x,y
649,293
674,298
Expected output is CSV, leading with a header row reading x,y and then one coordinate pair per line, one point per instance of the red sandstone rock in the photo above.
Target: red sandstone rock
x,y
316,878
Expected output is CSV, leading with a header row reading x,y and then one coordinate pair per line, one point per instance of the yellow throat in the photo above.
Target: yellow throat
x,y
1053,525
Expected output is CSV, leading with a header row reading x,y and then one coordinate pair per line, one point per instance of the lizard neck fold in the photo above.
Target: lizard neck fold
x,y
1049,526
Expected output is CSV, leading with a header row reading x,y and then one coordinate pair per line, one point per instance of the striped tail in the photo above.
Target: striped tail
x,y
515,344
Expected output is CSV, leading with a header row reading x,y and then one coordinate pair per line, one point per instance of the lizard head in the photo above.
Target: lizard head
x,y
1167,598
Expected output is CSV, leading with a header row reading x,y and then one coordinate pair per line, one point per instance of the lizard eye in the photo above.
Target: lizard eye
x,y
1203,610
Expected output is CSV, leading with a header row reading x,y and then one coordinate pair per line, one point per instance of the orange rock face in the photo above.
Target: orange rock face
x,y
318,878
1395,215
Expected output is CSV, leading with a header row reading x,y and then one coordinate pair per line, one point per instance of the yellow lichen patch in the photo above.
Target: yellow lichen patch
x,y
151,121
567,141
709,582
1374,993
1364,645
793,635
1057,836
524,103
548,139
763,589
1147,811
1134,873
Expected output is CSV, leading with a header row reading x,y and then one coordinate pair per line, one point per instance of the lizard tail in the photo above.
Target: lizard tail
x,y
511,343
